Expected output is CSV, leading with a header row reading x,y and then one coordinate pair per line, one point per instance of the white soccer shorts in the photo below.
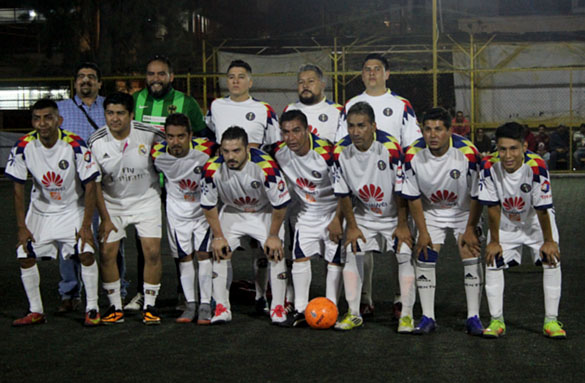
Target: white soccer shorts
x,y
312,238
236,224
147,225
187,236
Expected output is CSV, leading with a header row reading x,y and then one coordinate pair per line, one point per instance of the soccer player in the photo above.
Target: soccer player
x,y
62,204
181,159
127,194
255,196
322,114
441,172
369,167
395,116
515,186
306,160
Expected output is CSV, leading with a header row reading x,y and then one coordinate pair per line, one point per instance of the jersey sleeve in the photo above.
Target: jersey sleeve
x,y
340,186
195,115
410,131
209,192
541,190
487,193
87,168
272,133
342,126
16,166
274,182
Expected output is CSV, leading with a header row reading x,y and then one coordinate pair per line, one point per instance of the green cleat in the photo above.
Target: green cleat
x,y
554,329
349,322
405,325
496,329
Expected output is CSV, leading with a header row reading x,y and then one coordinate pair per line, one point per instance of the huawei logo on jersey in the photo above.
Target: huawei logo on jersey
x,y
369,192
51,179
313,130
445,198
188,185
306,185
247,203
514,204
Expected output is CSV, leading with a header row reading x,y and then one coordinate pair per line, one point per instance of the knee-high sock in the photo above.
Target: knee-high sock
x,y
473,281
187,277
353,272
278,281
406,280
301,275
150,294
260,274
221,282
551,282
89,275
31,280
367,278
289,297
113,291
494,291
426,282
205,281
333,282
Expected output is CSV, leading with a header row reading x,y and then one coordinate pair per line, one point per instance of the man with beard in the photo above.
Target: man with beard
x,y
322,114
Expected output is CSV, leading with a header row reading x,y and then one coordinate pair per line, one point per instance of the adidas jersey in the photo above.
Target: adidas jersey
x,y
182,177
518,193
58,173
323,117
372,176
310,175
257,118
445,184
254,188
129,181
394,115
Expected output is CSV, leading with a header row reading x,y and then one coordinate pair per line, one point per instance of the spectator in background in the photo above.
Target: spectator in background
x,y
482,142
559,146
579,145
530,139
542,136
541,151
461,125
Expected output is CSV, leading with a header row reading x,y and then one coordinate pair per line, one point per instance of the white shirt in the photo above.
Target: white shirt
x,y
323,117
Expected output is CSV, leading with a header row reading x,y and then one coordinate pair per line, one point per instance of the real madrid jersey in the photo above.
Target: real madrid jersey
x,y
445,184
257,118
58,173
394,115
182,177
518,193
253,188
372,176
323,117
310,175
129,181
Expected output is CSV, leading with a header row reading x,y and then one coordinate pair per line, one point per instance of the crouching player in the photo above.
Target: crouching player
x,y
62,204
515,186
181,159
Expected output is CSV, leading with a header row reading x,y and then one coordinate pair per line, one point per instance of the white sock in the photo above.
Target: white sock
x,y
205,284
551,282
367,278
31,280
333,282
352,280
406,281
473,280
278,281
113,291
150,294
89,275
221,287
290,288
426,282
261,275
187,276
494,291
301,275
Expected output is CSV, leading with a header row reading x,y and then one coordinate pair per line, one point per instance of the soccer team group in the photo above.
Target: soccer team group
x,y
387,185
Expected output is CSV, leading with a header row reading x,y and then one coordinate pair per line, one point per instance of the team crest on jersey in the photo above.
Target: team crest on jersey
x,y
323,117
172,109
63,164
255,184
316,174
513,207
455,174
388,112
381,165
87,156
250,116
444,198
545,187
142,149
281,185
197,170
526,188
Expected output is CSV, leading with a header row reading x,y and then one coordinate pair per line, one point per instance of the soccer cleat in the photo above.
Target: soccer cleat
x,y
278,315
204,316
397,310
135,303
496,329
289,307
30,319
425,326
92,318
150,316
188,314
222,315
113,316
366,310
262,306
295,319
349,322
405,325
554,329
473,326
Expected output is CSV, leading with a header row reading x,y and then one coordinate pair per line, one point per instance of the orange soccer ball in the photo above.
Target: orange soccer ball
x,y
321,313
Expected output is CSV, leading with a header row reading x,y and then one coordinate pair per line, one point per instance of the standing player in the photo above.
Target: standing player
x,y
306,160
62,204
181,159
379,215
255,197
515,186
441,177
128,194
395,116
322,115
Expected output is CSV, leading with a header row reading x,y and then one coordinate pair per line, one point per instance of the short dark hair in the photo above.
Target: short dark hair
x,y
438,113
235,133
363,108
511,130
379,57
163,59
178,119
291,115
240,64
120,98
44,103
311,67
89,65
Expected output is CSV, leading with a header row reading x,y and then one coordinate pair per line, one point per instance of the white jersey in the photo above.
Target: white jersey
x,y
310,175
372,176
518,193
182,177
445,184
323,117
394,115
257,118
129,182
58,173
254,188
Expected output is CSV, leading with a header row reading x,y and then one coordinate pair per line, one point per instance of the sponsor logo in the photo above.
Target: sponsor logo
x,y
373,198
63,164
197,170
313,130
513,207
250,116
306,185
444,198
470,276
188,188
172,109
106,155
545,187
335,174
283,275
387,112
281,185
204,189
53,182
242,201
323,117
87,156
142,149
255,184
381,165
455,174
10,159
526,188
142,106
